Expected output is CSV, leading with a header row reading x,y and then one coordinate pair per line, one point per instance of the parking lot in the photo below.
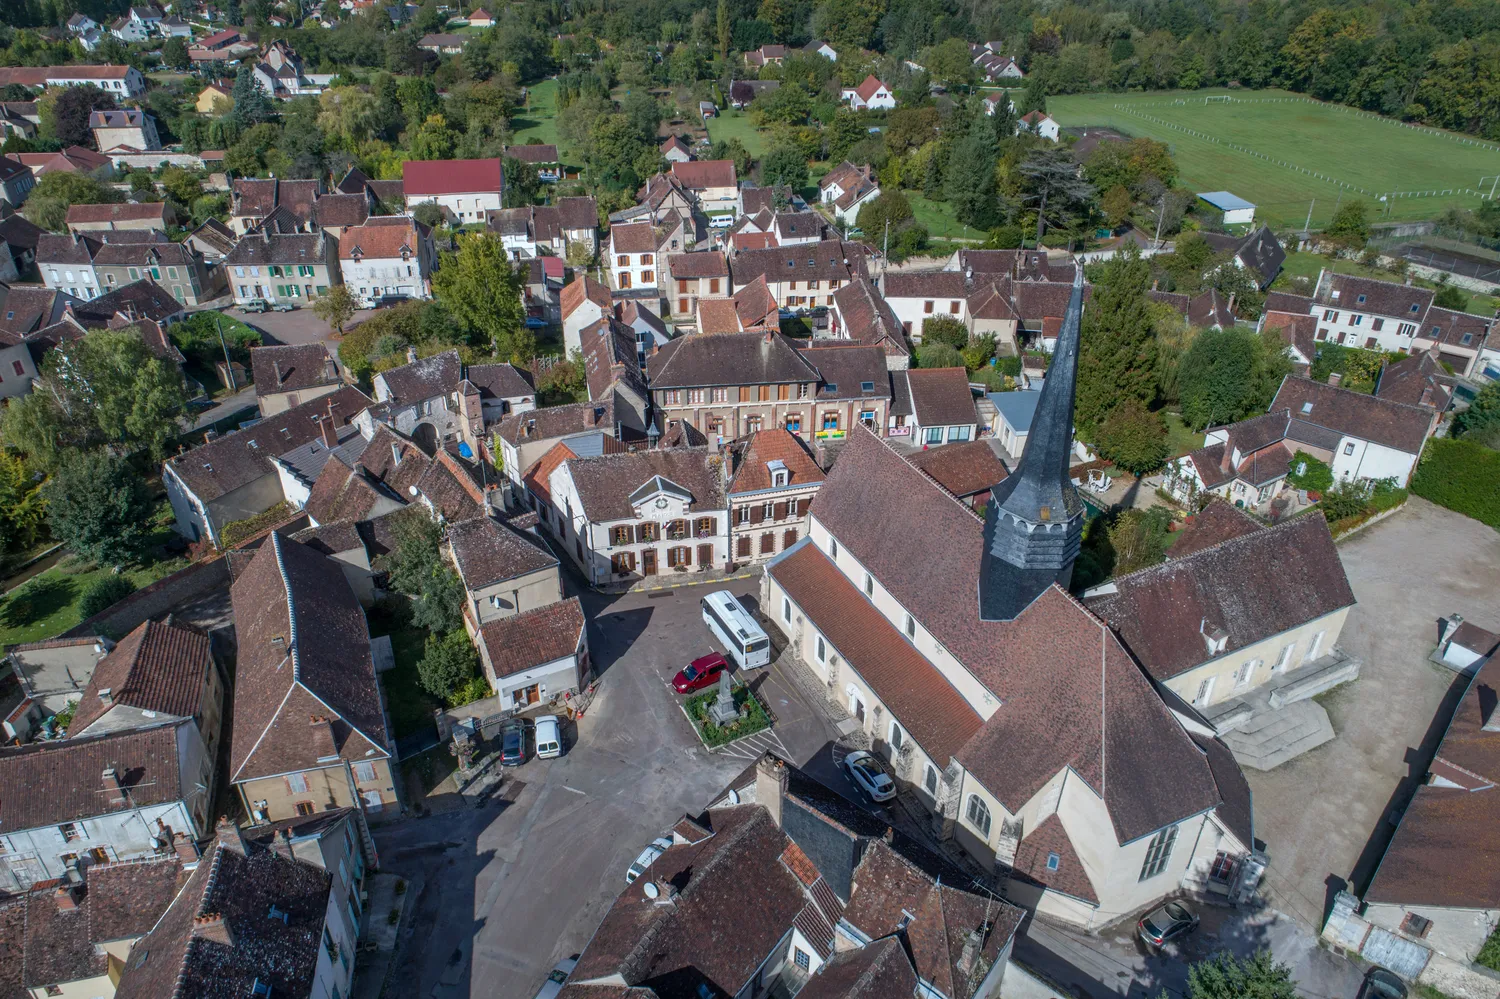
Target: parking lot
x,y
510,887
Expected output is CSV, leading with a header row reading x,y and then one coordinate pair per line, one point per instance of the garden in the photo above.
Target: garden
x,y
753,717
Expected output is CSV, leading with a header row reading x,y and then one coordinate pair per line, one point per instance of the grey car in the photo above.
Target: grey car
x,y
515,742
1167,923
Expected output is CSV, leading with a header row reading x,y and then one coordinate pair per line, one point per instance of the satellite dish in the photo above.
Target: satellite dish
x,y
734,797
651,890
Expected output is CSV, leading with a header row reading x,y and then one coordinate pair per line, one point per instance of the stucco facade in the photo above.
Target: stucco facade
x,y
510,597
367,784
1242,670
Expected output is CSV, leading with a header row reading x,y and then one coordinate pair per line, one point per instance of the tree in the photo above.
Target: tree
x,y
104,593
1309,473
482,289
523,185
98,506
1350,227
1228,374
419,571
723,28
448,663
777,14
1116,205
70,113
938,355
335,307
1450,297
944,330
845,133
1139,538
1481,421
59,190
784,166
949,62
22,511
1224,976
969,180
252,105
890,207
182,186
1117,349
1050,178
1033,98
1134,439
174,53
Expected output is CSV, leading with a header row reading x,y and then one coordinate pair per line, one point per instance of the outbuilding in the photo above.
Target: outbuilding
x,y
1237,211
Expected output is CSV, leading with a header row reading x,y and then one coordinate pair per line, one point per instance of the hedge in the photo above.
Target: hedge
x,y
1461,475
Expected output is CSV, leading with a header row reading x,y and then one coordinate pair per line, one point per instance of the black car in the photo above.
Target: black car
x,y
1382,984
1167,923
515,742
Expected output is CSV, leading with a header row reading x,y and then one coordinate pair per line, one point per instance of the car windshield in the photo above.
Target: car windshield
x,y
1384,984
1177,912
688,673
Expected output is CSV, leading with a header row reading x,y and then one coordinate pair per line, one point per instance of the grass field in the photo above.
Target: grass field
x,y
1285,152
732,124
539,120
937,216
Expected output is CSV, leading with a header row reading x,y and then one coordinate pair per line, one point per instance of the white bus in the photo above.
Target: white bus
x,y
744,641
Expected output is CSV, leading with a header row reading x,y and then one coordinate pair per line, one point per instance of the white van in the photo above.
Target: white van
x,y
721,221
548,737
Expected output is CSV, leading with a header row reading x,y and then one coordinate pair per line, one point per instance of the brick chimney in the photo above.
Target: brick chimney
x,y
229,836
281,843
214,927
65,899
770,785
411,355
322,734
280,378
330,432
114,793
1334,378
186,849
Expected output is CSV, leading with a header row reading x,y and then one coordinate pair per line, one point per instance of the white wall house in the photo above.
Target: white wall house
x,y
870,95
464,189
917,296
633,260
387,258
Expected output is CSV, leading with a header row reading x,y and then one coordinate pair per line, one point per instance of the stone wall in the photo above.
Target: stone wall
x,y
120,619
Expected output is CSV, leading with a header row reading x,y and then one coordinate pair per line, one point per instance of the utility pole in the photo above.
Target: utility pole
x,y
1161,211
1307,227
228,364
885,248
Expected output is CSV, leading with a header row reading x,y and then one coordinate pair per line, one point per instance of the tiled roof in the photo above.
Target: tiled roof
x,y
941,396
609,358
828,260
500,381
303,653
1034,861
340,494
265,247
605,483
240,884
964,469
849,371
925,284
718,315
916,694
728,359
143,299
1282,301
558,421
578,213
1354,414
152,211
158,667
221,466
27,308
701,174
1418,380
536,152
292,367
1449,327
342,210
869,318
534,637
45,783
638,237
430,178
1219,521
538,477
766,446
702,264
1298,331
1253,587
381,241
868,88
487,552
879,970
1381,298
425,378
584,289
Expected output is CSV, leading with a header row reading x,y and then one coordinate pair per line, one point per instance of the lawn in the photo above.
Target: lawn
x,y
732,124
937,217
1308,265
47,604
1284,152
1179,438
409,705
539,119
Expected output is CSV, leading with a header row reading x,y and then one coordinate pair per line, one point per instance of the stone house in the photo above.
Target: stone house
x,y
804,276
693,276
775,479
522,439
287,375
540,655
504,571
93,218
94,264
125,129
633,250
274,267
388,257
252,201
712,184
863,315
420,397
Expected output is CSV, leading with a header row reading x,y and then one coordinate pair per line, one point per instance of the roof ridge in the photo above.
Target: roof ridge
x,y
927,478
291,609
1263,530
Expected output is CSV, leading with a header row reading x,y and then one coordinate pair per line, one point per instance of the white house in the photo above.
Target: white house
x,y
869,96
917,296
1038,123
1362,312
633,263
644,513
119,81
131,128
823,49
537,656
846,188
584,302
943,410
464,189
387,257
1369,437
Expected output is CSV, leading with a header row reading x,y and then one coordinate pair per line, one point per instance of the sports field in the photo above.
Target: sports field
x,y
1285,152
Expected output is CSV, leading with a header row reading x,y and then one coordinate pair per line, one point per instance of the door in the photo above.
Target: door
x,y
533,694
706,556
648,562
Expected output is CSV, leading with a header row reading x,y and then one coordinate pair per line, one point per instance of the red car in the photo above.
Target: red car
x,y
699,673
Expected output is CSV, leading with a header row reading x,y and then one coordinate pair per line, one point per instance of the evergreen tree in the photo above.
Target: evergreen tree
x,y
99,506
1117,349
251,104
970,180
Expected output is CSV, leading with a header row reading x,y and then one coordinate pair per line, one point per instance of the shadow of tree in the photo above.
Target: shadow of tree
x,y
38,599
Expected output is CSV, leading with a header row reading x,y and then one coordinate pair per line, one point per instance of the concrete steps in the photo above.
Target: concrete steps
x,y
1269,739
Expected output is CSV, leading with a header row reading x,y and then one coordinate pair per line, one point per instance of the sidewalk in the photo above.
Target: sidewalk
x,y
379,937
674,580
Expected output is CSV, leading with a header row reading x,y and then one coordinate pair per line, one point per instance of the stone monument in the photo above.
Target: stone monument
x,y
723,711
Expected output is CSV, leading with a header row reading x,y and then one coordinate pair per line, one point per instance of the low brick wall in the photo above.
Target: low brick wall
x,y
152,601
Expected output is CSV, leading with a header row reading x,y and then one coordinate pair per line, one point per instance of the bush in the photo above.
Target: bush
x,y
103,594
1309,473
448,666
1009,366
938,355
1460,475
1134,439
1006,237
945,330
752,717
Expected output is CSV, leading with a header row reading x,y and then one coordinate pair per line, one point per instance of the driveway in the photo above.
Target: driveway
x,y
297,326
1326,817
513,886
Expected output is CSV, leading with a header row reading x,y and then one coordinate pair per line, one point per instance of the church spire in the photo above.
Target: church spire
x,y
1034,521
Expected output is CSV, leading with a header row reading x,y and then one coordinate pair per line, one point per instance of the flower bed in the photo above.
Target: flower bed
x,y
752,717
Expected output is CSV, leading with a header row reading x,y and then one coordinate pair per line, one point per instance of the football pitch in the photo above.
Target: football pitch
x,y
1287,153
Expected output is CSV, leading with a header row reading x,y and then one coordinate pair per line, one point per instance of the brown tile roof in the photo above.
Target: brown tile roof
x,y
879,970
1382,298
1282,301
25,309
532,638
849,371
754,240
1035,301
578,213
46,783
869,318
1155,775
1034,857
221,466
342,210
241,885
828,260
450,486
701,174
705,359
1354,414
964,469
429,178
766,446
912,689
868,88
425,378
584,288
1418,380
941,396
535,152
701,264
300,366
265,247
384,241
1298,331
487,552
925,284
1254,587
303,652
538,477
609,358
558,421
606,482
637,237
150,211
1449,327
718,315
500,381
1219,521
340,495
755,306
158,667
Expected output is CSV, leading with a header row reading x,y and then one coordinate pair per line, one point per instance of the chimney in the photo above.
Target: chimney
x,y
1334,378
766,337
280,378
213,927
1426,399
1231,304
114,793
322,734
972,943
281,843
229,836
330,432
330,371
591,417
106,695
770,785
411,355
186,849
65,899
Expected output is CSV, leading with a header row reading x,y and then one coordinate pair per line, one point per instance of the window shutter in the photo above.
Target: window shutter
x,y
742,546
781,511
757,514
799,506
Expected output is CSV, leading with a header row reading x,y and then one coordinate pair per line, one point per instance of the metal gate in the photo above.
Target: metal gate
x,y
1402,956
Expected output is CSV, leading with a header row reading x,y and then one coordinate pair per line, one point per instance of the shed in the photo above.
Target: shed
x,y
1013,415
1237,211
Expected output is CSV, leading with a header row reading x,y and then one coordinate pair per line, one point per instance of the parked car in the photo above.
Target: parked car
x,y
536,323
1167,923
283,307
553,986
869,776
1382,984
548,737
648,857
256,305
515,742
699,673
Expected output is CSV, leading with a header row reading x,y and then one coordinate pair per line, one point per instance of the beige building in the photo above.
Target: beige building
x,y
505,572
288,375
774,482
309,718
693,276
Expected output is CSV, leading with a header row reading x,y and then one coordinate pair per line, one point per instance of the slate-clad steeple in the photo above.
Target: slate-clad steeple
x,y
1034,521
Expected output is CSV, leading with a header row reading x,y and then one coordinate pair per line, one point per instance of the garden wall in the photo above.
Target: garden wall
x,y
120,619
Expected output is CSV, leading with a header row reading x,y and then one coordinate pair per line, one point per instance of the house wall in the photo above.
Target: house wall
x,y
1456,933
914,311
327,787
632,270
271,403
35,854
1359,459
1354,328
83,988
468,207
682,294
279,283
748,521
17,370
190,285
944,434
1222,674
374,277
729,418
584,315
510,597
554,678
79,280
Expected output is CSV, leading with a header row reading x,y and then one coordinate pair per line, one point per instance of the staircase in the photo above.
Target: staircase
x,y
1270,738
987,411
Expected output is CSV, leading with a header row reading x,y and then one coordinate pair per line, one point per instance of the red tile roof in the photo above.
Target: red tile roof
x,y
533,638
701,174
157,667
766,446
584,288
429,178
867,89
963,469
46,783
380,241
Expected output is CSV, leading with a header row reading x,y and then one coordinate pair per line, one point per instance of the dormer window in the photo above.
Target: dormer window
x,y
867,386
779,478
1466,339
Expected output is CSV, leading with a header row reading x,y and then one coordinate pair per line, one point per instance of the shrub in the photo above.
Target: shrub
x,y
939,355
1460,475
448,665
1134,439
944,330
104,593
1009,366
752,717
1309,473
